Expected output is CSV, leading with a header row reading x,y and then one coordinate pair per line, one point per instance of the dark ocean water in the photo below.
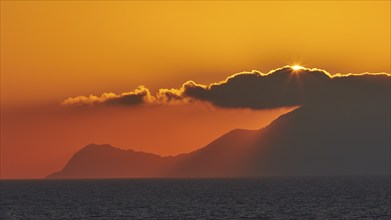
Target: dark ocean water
x,y
264,198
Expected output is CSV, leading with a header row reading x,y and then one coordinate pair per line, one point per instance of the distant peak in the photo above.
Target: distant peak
x,y
97,146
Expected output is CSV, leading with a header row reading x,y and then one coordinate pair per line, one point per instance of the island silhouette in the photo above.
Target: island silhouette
x,y
341,127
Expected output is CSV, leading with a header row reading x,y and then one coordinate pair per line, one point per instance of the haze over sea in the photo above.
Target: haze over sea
x,y
258,198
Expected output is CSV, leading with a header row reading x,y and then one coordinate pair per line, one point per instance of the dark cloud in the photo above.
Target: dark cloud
x,y
278,88
288,87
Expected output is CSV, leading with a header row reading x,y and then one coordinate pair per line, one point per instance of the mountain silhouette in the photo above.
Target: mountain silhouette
x,y
351,138
106,161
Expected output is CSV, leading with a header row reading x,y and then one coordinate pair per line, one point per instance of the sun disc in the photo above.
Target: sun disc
x,y
297,67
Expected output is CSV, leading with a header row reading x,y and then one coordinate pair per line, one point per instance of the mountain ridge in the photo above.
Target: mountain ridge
x,y
301,142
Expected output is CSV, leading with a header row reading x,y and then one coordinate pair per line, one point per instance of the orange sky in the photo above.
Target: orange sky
x,y
54,50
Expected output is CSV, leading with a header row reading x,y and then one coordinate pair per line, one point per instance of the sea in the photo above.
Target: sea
x,y
247,198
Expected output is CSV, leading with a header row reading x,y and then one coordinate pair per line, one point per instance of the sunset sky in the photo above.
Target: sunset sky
x,y
52,51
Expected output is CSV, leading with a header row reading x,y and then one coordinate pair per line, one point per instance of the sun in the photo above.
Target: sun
x,y
297,67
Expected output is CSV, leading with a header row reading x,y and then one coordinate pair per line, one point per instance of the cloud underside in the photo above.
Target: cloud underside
x,y
281,87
